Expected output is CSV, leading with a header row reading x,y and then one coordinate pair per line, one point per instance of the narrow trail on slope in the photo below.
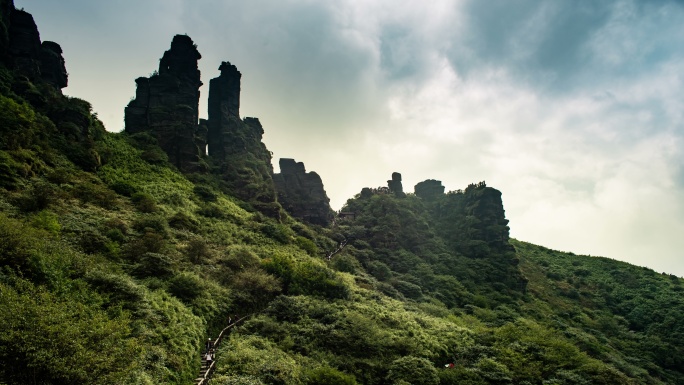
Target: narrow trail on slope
x,y
207,368
340,247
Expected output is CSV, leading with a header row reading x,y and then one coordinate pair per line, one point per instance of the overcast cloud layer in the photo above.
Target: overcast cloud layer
x,y
573,109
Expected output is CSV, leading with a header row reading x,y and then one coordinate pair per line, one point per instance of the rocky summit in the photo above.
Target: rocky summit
x,y
302,194
395,186
166,105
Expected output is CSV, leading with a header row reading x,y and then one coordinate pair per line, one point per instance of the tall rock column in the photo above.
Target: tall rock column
x,y
24,44
235,145
224,111
52,67
395,185
166,105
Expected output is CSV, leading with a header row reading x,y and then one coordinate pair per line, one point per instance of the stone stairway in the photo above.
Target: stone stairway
x,y
205,373
207,368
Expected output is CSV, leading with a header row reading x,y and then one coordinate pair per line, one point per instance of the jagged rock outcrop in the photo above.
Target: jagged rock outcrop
x,y
224,113
485,204
6,7
166,105
235,146
473,223
24,44
302,194
429,189
22,51
52,67
395,186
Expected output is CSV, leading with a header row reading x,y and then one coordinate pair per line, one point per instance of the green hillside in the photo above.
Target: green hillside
x,y
115,267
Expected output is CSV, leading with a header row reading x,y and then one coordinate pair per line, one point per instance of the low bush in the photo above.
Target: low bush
x,y
186,286
144,202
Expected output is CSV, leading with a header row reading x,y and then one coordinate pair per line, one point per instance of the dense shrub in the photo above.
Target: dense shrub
x,y
38,196
197,250
147,223
413,370
307,245
240,257
96,193
62,340
205,193
329,376
277,232
183,221
124,188
408,289
154,265
144,202
46,220
186,286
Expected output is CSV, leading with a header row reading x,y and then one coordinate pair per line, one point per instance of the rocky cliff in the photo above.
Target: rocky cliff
x,y
22,51
429,189
166,105
35,71
235,146
302,194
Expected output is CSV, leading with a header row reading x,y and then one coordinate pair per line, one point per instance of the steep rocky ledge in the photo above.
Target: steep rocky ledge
x,y
166,105
302,194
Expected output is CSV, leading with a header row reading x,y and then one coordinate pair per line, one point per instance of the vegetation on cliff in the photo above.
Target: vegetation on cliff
x,y
115,266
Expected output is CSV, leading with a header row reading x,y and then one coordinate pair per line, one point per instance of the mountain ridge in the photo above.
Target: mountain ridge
x,y
122,252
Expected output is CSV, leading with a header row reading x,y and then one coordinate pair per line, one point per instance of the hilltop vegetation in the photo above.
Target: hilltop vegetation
x,y
115,266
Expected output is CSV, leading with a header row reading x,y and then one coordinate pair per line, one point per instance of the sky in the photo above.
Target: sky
x,y
574,110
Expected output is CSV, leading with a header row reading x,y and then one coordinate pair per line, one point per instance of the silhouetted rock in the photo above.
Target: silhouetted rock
x,y
166,104
52,67
485,204
429,189
235,145
24,44
224,113
395,186
6,7
302,194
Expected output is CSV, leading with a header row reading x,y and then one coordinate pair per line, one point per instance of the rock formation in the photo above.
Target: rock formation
x,y
52,67
302,194
485,204
429,189
224,113
235,145
22,51
395,186
24,44
6,7
166,105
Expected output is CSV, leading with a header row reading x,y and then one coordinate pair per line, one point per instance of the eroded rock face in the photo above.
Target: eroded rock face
x,y
429,189
166,104
302,194
235,144
24,44
395,186
6,7
52,67
224,113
